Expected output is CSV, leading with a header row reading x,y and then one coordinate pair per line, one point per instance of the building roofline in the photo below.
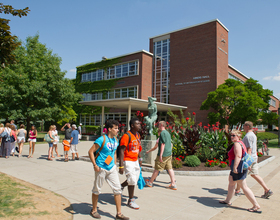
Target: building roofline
x,y
238,71
139,51
192,27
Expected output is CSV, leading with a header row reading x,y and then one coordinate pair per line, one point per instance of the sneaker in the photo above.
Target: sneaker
x,y
121,217
149,184
173,187
238,193
267,194
95,214
131,203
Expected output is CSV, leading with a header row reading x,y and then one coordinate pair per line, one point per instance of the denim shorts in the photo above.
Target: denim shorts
x,y
50,144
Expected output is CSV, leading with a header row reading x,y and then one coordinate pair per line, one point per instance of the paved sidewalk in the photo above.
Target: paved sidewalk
x,y
196,198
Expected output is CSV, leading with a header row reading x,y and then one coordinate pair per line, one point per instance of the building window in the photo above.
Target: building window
x,y
96,119
118,71
129,92
272,102
161,70
231,76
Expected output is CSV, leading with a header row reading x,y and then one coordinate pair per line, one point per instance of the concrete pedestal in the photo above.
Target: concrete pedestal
x,y
149,158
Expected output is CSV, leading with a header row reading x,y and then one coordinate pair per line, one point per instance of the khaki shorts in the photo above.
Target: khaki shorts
x,y
165,165
254,169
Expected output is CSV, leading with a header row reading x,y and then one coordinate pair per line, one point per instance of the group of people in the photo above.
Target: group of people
x,y
237,178
10,135
103,155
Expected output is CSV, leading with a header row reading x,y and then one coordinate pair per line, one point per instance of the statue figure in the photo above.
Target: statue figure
x,y
152,117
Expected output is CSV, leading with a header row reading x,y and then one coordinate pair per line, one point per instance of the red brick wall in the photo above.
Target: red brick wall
x,y
146,81
235,73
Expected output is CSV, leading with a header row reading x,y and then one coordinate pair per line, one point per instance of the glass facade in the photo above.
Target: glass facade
x,y
96,119
231,76
112,94
161,70
118,71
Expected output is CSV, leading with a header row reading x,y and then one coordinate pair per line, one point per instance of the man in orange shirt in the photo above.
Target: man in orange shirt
x,y
130,148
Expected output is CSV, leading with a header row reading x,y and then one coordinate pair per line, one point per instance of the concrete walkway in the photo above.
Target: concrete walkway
x,y
196,198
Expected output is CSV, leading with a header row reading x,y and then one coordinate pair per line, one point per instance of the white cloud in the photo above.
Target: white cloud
x,y
277,77
267,78
72,70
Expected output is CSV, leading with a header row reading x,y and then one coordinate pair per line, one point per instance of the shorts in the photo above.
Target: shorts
x,y
132,172
165,165
32,140
50,144
111,177
254,169
74,148
21,139
238,176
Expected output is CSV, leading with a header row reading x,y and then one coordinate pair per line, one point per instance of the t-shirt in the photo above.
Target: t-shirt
x,y
250,141
110,147
132,148
231,154
68,132
75,136
165,138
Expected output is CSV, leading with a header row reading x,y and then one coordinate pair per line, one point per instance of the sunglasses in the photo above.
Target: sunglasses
x,y
232,135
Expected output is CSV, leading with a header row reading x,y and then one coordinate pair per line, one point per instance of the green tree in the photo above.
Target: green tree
x,y
34,87
8,42
234,102
269,118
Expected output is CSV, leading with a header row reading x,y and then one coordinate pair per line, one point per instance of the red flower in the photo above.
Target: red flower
x,y
167,123
187,118
191,126
142,115
227,118
209,125
194,113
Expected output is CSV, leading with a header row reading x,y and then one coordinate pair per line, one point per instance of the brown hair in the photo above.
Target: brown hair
x,y
22,126
163,123
8,125
249,124
1,125
13,127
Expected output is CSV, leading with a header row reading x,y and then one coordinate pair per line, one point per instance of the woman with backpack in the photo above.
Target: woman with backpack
x,y
5,144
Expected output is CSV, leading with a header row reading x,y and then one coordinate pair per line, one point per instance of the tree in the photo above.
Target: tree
x,y
34,87
234,102
8,42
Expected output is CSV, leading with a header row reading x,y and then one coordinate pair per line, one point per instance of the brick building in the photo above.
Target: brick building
x,y
180,69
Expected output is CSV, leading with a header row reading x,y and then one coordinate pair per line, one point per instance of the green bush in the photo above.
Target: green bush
x,y
92,129
177,163
192,161
266,135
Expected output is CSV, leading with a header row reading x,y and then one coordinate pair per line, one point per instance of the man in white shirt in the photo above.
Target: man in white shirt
x,y
250,141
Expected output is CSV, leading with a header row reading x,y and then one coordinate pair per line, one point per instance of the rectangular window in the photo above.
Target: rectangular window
x,y
99,75
132,69
117,94
124,69
118,71
112,73
124,93
93,76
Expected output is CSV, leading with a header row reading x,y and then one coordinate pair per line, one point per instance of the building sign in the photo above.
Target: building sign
x,y
194,82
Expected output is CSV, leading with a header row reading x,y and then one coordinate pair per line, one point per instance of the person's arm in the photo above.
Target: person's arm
x,y
161,152
50,133
71,140
152,149
238,156
91,156
63,128
35,135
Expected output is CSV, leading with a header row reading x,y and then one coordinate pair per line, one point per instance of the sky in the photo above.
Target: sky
x,y
84,31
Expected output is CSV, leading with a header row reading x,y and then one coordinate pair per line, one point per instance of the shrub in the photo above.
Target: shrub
x,y
177,162
210,163
192,161
223,164
266,135
260,154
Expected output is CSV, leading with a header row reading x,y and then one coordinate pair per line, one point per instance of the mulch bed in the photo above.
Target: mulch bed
x,y
202,166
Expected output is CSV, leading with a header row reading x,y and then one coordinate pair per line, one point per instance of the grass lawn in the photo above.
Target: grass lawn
x,y
273,143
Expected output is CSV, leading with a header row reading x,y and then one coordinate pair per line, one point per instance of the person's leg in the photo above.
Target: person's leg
x,y
118,201
30,146
50,153
261,182
56,150
20,149
33,148
172,177
131,191
94,202
77,155
73,156
231,186
249,194
124,184
154,176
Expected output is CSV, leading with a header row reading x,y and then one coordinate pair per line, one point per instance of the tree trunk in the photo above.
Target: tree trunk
x,y
27,126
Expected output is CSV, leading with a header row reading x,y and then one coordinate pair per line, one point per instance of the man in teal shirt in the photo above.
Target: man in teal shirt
x,y
164,157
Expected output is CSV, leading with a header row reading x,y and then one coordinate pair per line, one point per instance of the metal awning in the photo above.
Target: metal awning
x,y
130,104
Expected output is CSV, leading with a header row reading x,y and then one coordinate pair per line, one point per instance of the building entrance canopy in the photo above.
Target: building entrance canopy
x,y
130,104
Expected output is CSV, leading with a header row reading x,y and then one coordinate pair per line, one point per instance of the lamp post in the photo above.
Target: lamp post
x,y
278,127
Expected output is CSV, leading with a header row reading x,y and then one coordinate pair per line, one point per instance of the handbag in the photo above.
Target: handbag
x,y
48,139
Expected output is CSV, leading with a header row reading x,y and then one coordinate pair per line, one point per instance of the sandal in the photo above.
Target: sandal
x,y
50,159
225,203
95,214
256,210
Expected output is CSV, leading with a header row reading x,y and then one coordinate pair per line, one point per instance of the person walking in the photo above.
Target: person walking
x,y
130,148
21,136
6,141
32,140
13,140
250,141
56,141
164,157
50,133
105,168
235,155
74,142
13,123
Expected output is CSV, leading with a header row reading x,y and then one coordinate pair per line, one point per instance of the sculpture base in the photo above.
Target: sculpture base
x,y
150,157
150,137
